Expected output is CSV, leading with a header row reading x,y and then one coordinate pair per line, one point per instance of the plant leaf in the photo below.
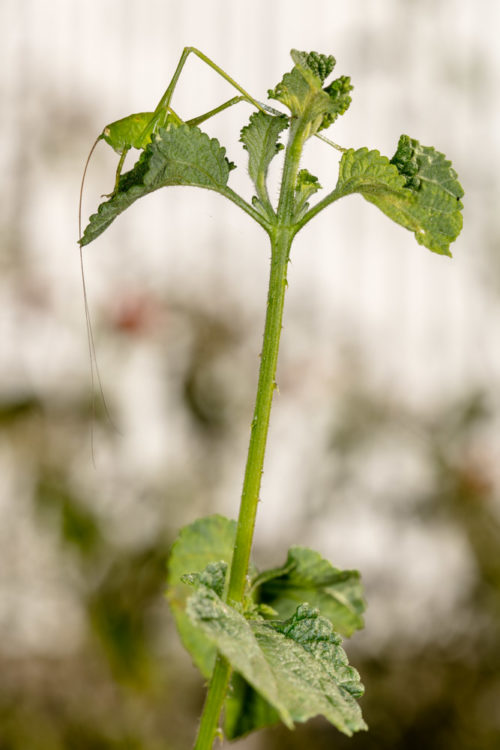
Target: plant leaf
x,y
234,638
417,189
260,139
301,91
305,186
246,710
177,155
213,576
304,577
307,577
198,545
320,65
297,665
339,92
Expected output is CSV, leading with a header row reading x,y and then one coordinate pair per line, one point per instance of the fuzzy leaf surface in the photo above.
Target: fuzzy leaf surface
x,y
302,91
260,139
307,577
320,65
296,665
199,545
417,189
305,186
233,636
213,576
180,155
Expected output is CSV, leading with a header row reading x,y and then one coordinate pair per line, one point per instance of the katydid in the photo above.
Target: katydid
x,y
136,131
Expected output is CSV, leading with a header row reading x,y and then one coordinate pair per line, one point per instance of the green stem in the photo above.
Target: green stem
x,y
213,704
251,485
260,423
281,235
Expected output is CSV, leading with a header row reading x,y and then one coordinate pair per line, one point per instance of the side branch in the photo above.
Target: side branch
x,y
245,206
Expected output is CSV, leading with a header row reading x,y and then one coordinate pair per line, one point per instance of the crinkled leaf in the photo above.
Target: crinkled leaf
x,y
307,577
297,665
213,576
180,155
301,91
315,634
260,139
418,190
305,186
205,541
234,638
320,65
339,92
304,577
426,169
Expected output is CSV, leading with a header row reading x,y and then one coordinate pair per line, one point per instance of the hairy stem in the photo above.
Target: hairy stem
x,y
253,474
214,701
260,421
281,235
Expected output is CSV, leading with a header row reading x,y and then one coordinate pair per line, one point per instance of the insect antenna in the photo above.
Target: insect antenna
x,y
95,376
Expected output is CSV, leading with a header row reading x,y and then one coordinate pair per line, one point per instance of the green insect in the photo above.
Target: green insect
x,y
133,131
136,131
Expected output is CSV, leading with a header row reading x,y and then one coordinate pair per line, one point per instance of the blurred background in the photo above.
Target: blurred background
x,y
384,444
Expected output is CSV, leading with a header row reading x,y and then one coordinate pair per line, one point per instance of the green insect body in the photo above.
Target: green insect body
x,y
135,131
129,132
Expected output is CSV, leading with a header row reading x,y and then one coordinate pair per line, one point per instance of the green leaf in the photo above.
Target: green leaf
x,y
320,65
180,155
260,139
213,577
233,636
424,167
307,577
298,665
417,189
196,548
339,92
316,636
305,186
301,91
304,577
246,710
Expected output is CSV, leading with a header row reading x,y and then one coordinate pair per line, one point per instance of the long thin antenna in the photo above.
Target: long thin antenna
x,y
94,368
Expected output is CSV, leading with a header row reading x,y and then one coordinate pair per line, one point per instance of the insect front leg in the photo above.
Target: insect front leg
x,y
118,172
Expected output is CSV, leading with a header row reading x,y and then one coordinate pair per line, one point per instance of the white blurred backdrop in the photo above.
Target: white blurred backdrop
x,y
367,308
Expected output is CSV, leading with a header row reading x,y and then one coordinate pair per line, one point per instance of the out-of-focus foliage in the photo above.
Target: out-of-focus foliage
x,y
441,694
437,693
122,689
